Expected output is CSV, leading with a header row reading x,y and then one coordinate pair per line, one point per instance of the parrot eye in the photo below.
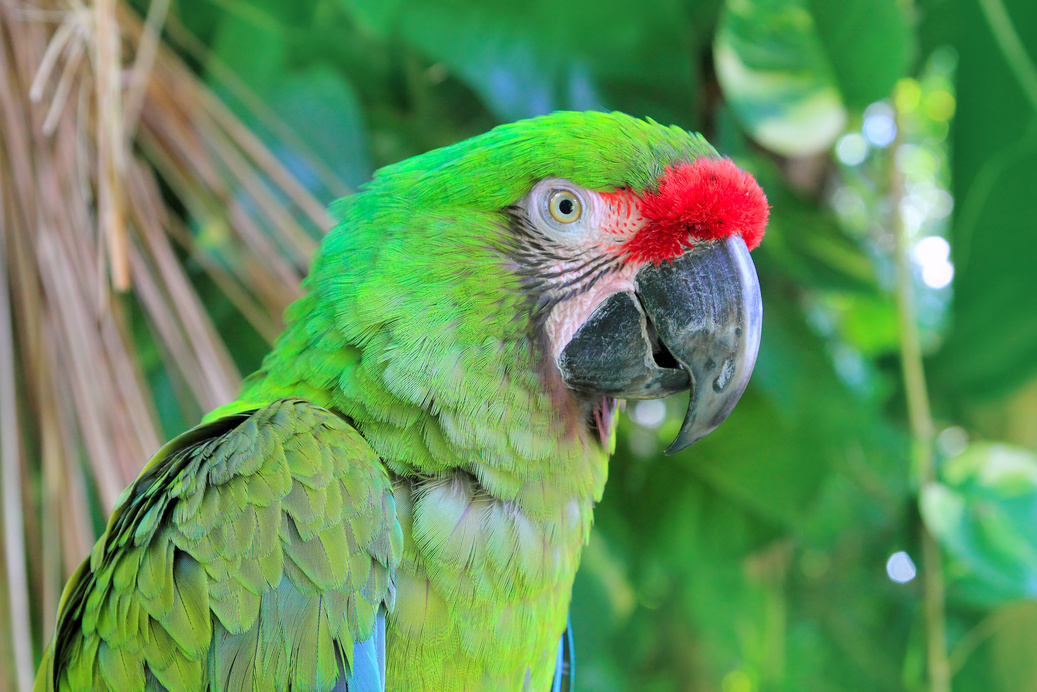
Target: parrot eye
x,y
560,209
564,206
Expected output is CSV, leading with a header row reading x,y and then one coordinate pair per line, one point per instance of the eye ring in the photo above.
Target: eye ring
x,y
564,206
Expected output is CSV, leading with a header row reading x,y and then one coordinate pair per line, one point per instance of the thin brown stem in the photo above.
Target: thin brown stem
x,y
922,434
147,49
11,486
110,142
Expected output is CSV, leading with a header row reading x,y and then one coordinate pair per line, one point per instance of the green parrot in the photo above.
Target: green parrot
x,y
399,497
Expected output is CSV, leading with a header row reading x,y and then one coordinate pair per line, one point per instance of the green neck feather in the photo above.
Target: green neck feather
x,y
433,358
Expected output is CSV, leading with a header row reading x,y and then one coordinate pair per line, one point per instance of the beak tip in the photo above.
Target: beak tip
x,y
688,436
676,447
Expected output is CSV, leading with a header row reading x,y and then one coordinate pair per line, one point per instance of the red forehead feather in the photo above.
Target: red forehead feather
x,y
704,200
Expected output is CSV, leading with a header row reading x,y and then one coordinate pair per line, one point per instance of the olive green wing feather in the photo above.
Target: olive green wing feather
x,y
252,553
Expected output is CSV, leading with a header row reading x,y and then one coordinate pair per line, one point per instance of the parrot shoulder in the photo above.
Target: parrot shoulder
x,y
256,551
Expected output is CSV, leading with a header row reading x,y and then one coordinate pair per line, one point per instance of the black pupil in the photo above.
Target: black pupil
x,y
566,206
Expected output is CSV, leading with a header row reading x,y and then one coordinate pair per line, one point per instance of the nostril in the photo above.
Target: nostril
x,y
660,354
664,359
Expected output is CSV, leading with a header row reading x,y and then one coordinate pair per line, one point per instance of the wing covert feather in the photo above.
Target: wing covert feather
x,y
252,553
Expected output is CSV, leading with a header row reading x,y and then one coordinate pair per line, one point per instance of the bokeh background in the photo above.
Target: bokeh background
x,y
867,517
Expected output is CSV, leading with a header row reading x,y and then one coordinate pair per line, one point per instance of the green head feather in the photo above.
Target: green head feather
x,y
600,151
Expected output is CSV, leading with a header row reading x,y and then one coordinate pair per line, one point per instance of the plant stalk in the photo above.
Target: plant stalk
x,y
922,438
11,486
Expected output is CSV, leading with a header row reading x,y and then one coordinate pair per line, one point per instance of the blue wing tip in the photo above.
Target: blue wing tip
x,y
564,679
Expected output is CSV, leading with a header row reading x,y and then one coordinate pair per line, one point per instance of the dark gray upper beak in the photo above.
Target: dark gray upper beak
x,y
692,322
707,310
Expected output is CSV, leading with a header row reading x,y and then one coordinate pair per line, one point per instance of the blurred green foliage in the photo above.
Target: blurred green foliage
x,y
757,559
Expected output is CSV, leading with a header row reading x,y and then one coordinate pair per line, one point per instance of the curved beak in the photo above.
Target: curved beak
x,y
707,310
693,322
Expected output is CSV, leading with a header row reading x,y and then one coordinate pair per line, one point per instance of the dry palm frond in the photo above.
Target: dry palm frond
x,y
116,161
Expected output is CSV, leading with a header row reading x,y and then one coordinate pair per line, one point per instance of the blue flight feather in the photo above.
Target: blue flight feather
x,y
368,671
564,678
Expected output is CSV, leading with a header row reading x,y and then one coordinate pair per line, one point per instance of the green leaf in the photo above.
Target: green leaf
x,y
525,59
323,109
868,43
312,98
791,69
773,69
991,348
982,511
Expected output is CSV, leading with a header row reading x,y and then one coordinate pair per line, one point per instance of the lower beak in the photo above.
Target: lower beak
x,y
693,322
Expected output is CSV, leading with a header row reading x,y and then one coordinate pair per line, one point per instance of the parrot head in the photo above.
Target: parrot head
x,y
647,292
479,299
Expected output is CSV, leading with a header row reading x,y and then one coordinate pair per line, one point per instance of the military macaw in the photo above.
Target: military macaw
x,y
399,497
